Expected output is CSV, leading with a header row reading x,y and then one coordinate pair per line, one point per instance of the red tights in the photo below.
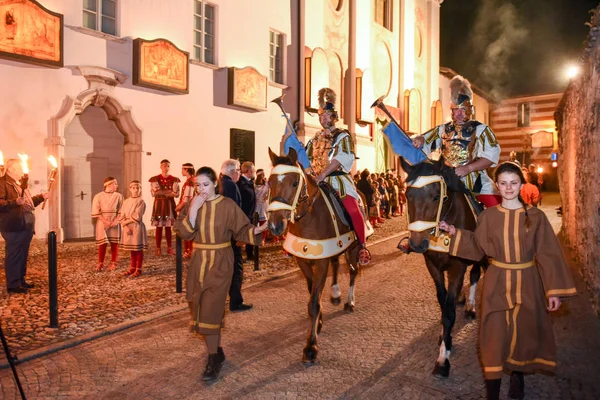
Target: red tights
x,y
136,259
356,216
159,234
114,252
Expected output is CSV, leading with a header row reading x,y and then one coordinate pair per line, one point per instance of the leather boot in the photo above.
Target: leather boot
x,y
517,386
492,387
213,367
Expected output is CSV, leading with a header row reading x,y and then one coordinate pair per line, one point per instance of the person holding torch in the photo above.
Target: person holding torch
x,y
17,222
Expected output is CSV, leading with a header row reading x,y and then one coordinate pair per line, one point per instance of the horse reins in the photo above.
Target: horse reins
x,y
279,203
420,182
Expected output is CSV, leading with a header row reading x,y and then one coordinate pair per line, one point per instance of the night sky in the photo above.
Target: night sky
x,y
514,47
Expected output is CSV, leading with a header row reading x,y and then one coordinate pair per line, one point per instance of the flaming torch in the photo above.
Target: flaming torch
x,y
52,175
1,164
25,178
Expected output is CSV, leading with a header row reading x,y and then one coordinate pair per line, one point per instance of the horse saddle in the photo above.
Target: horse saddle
x,y
336,202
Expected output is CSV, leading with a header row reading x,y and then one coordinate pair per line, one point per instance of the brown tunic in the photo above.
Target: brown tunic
x,y
211,266
526,267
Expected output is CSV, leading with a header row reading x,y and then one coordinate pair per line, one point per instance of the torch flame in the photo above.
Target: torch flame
x,y
24,158
1,158
52,161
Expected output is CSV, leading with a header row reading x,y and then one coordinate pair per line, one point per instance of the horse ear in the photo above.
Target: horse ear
x,y
272,156
405,165
293,155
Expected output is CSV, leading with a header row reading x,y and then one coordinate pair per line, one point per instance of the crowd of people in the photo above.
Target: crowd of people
x,y
385,194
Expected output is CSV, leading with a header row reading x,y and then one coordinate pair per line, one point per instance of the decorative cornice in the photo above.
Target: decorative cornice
x,y
101,78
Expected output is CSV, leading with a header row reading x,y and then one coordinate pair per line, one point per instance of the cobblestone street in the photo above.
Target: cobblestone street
x,y
384,350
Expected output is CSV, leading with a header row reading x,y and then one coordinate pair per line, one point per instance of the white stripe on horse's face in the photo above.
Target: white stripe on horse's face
x,y
280,178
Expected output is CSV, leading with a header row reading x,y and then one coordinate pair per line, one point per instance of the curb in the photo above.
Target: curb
x,y
53,348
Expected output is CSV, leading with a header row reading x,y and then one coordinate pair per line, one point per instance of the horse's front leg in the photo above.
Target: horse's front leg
x,y
336,293
456,273
474,277
314,311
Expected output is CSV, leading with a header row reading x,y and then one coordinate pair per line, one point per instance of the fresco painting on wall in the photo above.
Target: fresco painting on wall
x,y
30,33
542,139
247,88
159,64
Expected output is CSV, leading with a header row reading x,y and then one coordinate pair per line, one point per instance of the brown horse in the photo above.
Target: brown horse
x,y
314,239
429,202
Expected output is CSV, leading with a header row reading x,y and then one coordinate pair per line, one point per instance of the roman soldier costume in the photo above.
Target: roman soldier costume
x,y
331,144
164,189
463,142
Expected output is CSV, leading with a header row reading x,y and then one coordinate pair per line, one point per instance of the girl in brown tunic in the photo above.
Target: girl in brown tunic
x,y
211,221
133,237
526,278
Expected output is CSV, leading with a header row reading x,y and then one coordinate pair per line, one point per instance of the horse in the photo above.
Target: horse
x,y
435,193
314,239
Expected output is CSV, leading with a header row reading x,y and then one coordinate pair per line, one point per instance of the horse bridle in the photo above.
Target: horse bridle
x,y
420,182
279,203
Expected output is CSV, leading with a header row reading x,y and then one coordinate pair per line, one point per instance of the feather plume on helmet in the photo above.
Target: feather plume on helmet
x,y
461,96
327,99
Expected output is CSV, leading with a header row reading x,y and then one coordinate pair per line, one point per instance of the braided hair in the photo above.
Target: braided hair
x,y
513,168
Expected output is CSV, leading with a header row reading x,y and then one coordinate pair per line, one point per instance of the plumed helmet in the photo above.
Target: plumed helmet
x,y
460,92
327,99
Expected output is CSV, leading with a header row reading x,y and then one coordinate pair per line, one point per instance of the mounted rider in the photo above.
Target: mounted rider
x,y
331,155
466,144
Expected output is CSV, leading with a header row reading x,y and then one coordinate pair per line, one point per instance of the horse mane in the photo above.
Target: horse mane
x,y
428,168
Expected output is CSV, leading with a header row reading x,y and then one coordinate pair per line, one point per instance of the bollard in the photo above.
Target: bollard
x,y
256,267
178,263
52,279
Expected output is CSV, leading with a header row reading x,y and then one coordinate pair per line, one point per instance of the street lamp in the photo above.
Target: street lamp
x,y
572,71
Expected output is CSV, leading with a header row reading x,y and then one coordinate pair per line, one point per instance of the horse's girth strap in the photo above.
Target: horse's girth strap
x,y
332,212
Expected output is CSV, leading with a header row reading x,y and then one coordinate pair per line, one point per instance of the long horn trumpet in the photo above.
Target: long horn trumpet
x,y
279,102
379,103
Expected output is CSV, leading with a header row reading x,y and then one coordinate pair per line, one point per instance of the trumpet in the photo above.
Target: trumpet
x,y
279,102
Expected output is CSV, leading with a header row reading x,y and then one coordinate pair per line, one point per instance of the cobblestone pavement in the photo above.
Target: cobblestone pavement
x,y
92,302
385,349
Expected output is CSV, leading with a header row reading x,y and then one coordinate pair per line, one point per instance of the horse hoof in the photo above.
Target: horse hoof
x,y
470,314
348,307
336,301
309,355
441,371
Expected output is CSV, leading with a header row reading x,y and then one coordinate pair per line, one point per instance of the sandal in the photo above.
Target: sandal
x,y
187,254
170,251
136,273
158,252
99,267
131,271
112,266
364,256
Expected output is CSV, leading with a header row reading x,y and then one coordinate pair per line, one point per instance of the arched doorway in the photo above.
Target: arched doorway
x,y
114,120
93,151
382,149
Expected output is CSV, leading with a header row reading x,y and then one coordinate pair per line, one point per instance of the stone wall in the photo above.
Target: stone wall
x,y
578,124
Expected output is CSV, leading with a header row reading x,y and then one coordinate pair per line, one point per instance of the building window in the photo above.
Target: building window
x,y
383,13
523,114
100,15
204,32
276,43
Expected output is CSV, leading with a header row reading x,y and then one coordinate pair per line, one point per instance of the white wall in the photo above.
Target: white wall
x,y
182,128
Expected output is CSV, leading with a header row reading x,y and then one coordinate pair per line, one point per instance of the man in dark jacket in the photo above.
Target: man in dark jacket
x,y
16,225
365,188
246,186
230,174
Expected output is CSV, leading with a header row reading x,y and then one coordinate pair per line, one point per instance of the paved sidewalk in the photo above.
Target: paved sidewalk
x,y
384,350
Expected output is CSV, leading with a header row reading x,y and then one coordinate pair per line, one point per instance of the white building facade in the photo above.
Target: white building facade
x,y
98,119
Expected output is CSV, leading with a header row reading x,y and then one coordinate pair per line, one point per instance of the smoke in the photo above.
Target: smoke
x,y
495,39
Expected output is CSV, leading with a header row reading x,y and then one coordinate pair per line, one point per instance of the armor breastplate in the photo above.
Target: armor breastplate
x,y
455,144
321,143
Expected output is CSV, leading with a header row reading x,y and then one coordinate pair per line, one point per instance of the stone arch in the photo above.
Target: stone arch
x,y
99,94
